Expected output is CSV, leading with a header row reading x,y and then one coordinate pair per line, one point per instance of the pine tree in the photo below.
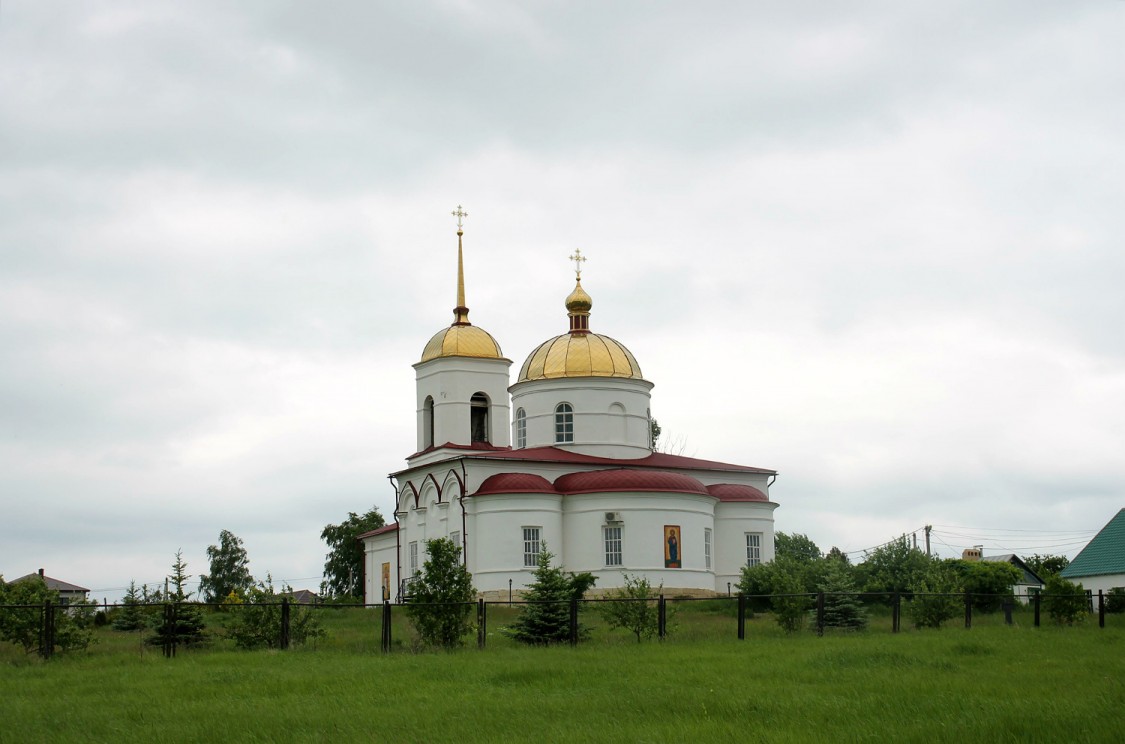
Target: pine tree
x,y
545,619
842,608
131,615
186,626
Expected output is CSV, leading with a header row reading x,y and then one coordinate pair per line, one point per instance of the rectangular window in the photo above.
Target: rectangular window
x,y
753,548
455,538
531,546
612,546
707,548
521,429
413,558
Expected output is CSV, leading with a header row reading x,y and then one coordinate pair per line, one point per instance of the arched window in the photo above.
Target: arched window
x,y
428,423
478,418
521,428
564,423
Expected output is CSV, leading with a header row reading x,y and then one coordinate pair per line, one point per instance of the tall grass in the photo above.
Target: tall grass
x,y
992,683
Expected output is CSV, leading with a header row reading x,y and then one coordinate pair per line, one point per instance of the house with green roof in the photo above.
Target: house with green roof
x,y
1101,564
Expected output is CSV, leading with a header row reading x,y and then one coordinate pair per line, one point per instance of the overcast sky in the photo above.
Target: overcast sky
x,y
873,246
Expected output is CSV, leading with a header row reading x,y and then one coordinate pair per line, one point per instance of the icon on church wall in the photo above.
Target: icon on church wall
x,y
386,581
672,548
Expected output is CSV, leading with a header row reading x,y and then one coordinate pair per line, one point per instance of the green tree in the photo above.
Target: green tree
x,y
790,602
797,547
441,599
894,567
1046,565
842,608
343,565
545,618
21,625
131,615
935,596
1065,602
229,569
255,621
634,607
835,554
186,626
989,582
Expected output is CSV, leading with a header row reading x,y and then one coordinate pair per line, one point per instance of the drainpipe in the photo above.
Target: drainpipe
x,y
464,519
398,538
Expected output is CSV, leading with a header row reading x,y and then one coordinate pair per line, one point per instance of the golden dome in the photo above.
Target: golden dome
x,y
462,341
580,354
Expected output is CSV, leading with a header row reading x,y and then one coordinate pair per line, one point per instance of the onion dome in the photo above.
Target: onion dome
x,y
461,338
605,481
580,352
736,492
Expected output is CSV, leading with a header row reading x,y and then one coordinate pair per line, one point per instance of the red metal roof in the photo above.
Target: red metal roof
x,y
622,479
380,531
736,492
515,483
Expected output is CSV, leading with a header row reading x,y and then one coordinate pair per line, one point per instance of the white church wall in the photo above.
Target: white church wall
x,y
733,521
451,382
377,551
496,536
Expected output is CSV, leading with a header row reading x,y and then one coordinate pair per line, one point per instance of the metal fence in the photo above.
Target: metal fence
x,y
387,622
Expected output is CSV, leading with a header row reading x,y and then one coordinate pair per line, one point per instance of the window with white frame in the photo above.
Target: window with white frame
x,y
413,558
753,548
707,548
531,546
612,545
564,423
521,428
455,538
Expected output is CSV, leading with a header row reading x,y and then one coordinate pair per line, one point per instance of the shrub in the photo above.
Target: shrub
x,y
256,621
935,599
1065,602
989,582
1115,600
442,594
545,619
634,608
21,625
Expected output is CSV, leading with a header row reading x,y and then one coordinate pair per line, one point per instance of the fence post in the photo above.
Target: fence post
x,y
820,613
661,618
896,613
741,616
968,609
47,631
386,627
482,623
1101,609
1038,599
573,621
283,639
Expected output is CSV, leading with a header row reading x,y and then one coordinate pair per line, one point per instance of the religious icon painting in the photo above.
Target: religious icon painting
x,y
386,581
672,548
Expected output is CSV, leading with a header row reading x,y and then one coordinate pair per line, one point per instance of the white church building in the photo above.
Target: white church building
x,y
560,459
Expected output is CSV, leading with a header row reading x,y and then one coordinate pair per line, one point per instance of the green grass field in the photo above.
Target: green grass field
x,y
991,683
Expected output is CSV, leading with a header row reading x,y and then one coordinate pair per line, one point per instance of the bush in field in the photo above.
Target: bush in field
x,y
842,608
442,595
131,615
1064,601
1115,600
790,603
635,608
894,567
185,626
784,575
21,625
256,619
935,598
545,619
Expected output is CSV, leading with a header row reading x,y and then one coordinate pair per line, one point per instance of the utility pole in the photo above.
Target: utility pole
x,y
928,528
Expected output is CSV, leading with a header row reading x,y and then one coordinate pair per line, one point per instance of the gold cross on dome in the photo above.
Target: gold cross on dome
x,y
459,213
577,258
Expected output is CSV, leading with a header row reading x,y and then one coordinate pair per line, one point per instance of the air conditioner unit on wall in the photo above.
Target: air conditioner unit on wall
x,y
612,517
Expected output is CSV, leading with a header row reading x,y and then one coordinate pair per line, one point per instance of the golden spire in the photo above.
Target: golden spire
x,y
578,303
461,312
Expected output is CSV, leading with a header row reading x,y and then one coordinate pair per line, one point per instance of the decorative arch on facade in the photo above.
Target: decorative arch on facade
x,y
407,491
437,486
453,481
619,423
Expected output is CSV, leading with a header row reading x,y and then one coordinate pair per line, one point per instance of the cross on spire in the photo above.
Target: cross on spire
x,y
577,258
459,213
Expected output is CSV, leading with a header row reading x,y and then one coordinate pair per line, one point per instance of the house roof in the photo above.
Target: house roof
x,y
1030,577
656,460
382,530
1105,554
302,596
55,585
